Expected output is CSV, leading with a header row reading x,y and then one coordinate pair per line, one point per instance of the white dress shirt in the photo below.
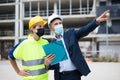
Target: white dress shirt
x,y
66,65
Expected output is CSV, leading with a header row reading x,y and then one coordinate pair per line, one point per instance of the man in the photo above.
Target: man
x,y
75,66
31,53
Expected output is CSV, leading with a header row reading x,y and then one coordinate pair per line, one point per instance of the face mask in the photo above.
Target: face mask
x,y
58,29
40,32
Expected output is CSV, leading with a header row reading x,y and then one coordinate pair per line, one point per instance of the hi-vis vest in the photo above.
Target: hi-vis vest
x,y
32,55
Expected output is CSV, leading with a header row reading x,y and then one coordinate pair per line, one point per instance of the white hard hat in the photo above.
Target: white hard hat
x,y
53,17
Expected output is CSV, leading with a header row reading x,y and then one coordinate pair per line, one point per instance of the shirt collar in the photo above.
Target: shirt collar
x,y
61,36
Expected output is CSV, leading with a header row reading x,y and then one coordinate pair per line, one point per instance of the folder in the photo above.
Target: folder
x,y
56,48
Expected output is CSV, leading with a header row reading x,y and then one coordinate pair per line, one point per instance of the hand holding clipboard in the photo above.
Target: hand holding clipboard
x,y
56,48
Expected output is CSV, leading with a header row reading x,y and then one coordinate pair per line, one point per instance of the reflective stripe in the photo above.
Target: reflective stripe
x,y
33,62
37,72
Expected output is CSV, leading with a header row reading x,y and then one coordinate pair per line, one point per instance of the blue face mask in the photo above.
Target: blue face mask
x,y
58,29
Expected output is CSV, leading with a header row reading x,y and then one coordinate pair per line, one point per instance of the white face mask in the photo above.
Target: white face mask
x,y
58,29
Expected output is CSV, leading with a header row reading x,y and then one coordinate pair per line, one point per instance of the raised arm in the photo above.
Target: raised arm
x,y
85,30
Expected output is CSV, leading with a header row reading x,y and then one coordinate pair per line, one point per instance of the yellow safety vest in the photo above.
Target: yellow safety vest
x,y
32,55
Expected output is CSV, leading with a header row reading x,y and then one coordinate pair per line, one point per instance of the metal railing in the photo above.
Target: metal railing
x,y
41,13
7,33
76,11
7,1
62,12
7,16
44,13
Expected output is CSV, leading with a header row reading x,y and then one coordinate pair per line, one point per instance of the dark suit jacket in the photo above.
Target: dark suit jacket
x,y
71,38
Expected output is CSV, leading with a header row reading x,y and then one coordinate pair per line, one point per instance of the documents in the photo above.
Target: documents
x,y
56,48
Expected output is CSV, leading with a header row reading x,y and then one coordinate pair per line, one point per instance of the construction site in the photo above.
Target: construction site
x,y
102,43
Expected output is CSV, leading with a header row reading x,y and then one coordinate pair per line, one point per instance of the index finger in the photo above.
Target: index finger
x,y
107,11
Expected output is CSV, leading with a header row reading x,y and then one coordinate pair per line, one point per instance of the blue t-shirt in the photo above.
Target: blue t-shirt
x,y
10,54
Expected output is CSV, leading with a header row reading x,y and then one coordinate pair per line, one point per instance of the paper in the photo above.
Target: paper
x,y
56,48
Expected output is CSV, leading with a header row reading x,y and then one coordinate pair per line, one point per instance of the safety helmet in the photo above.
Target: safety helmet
x,y
36,20
53,17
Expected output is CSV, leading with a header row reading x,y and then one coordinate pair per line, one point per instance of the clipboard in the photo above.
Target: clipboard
x,y
56,48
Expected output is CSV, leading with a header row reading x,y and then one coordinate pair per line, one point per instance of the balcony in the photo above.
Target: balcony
x,y
62,12
7,1
7,33
7,16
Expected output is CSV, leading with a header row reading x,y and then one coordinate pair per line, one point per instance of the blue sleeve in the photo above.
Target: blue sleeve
x,y
10,54
85,30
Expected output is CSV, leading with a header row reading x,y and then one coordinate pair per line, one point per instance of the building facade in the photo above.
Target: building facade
x,y
109,42
15,14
